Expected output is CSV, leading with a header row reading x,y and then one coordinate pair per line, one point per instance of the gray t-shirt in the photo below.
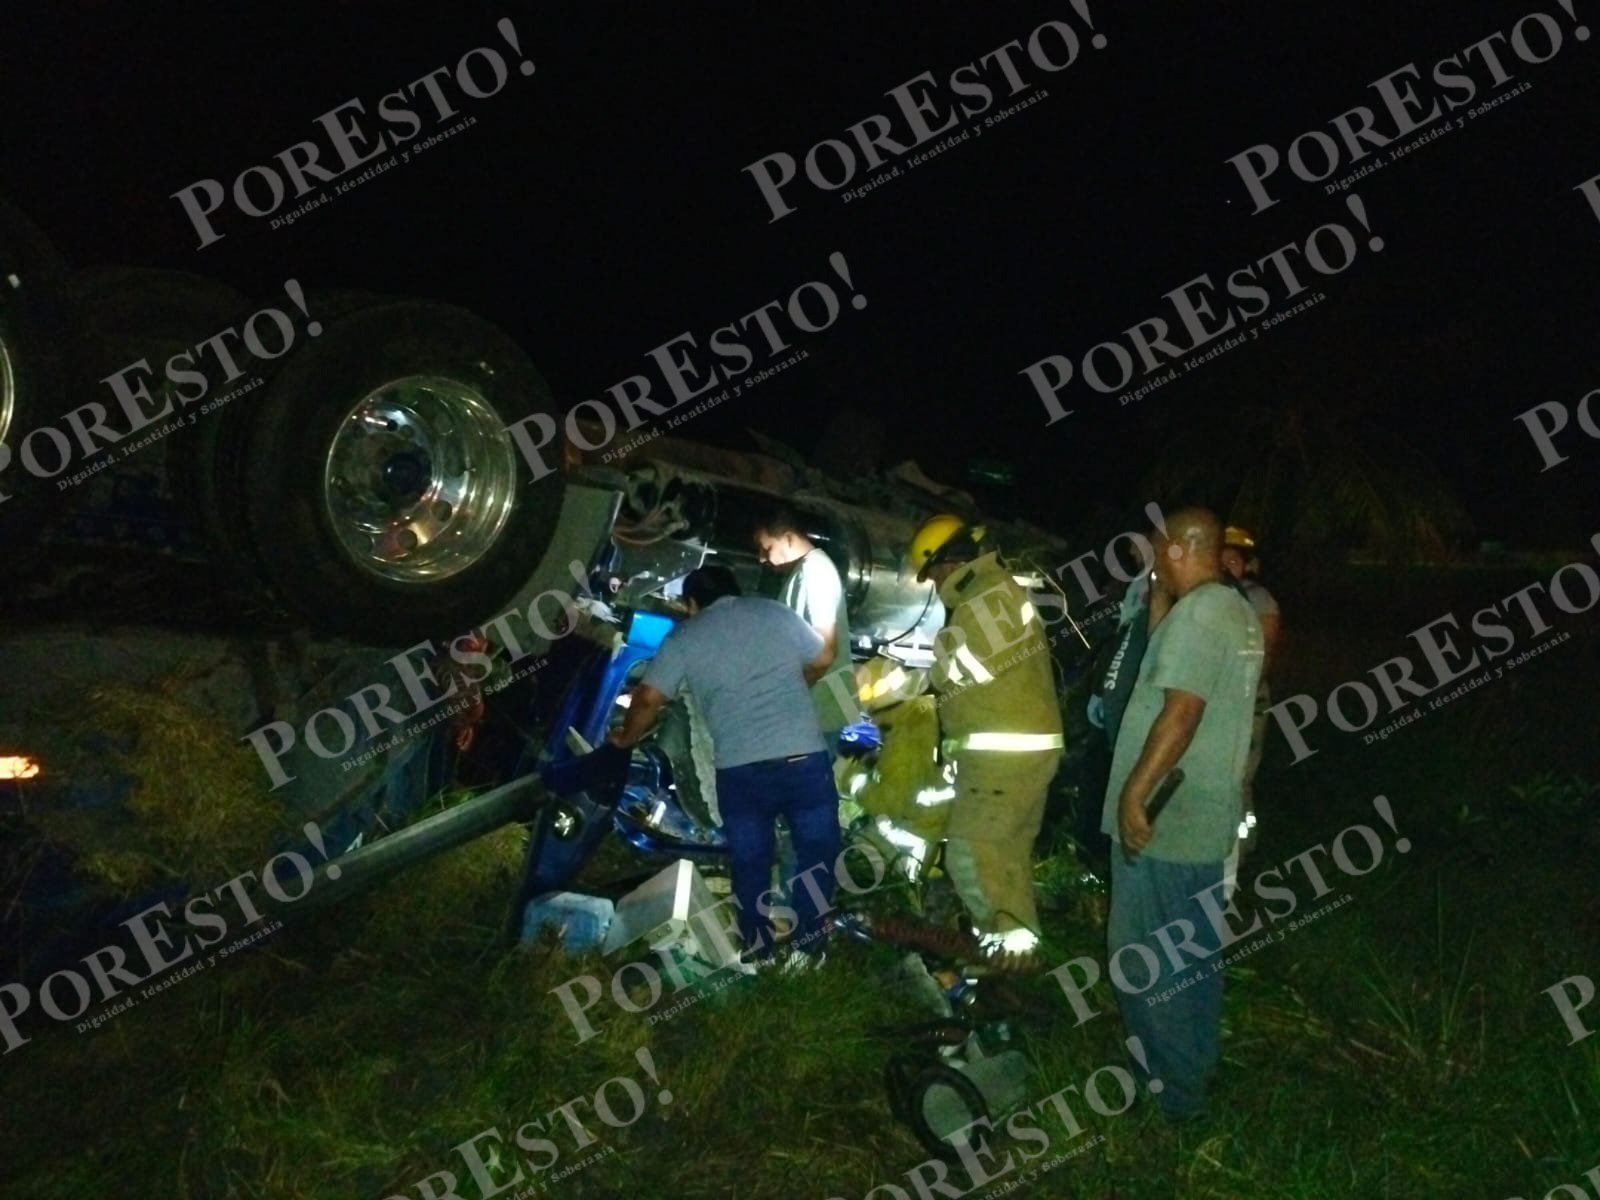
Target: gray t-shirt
x,y
1266,605
742,658
815,592
1260,599
1210,646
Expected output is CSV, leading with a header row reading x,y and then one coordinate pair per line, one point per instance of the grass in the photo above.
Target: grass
x,y
193,806
1400,1046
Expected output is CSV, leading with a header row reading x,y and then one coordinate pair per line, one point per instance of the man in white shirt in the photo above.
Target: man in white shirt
x,y
813,590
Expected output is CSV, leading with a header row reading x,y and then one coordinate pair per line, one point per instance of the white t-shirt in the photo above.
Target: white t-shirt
x,y
814,591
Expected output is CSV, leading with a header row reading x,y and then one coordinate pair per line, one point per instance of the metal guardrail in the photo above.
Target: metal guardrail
x,y
359,869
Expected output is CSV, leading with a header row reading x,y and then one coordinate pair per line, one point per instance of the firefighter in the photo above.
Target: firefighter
x,y
1001,727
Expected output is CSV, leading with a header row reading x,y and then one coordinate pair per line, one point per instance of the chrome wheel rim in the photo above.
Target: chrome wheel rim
x,y
420,479
8,391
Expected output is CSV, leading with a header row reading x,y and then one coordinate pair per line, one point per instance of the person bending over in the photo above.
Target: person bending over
x,y
750,663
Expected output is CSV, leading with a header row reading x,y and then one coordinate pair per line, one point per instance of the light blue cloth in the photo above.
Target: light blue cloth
x,y
582,921
742,659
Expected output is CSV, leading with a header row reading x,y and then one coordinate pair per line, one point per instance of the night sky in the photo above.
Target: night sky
x,y
599,207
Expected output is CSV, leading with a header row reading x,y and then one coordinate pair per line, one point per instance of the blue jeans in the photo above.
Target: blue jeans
x,y
788,859
752,797
1181,1032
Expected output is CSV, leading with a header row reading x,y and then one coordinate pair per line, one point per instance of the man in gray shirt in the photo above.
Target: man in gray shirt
x,y
749,663
1240,560
1191,707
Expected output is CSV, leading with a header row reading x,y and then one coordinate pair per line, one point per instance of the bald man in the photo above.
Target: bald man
x,y
1191,707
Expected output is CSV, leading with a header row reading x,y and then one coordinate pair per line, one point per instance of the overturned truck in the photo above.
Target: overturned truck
x,y
348,464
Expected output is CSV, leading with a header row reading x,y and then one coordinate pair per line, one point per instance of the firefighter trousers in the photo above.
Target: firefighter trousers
x,y
994,819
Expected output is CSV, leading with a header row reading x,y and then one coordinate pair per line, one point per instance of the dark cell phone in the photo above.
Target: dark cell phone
x,y
1159,801
1163,796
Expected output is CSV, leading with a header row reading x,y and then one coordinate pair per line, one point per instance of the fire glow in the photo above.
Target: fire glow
x,y
18,766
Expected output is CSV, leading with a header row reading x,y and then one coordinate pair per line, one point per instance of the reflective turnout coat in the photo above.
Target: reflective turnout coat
x,y
992,666
1001,723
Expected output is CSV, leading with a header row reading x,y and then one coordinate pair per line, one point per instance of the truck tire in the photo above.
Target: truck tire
x,y
210,473
34,336
130,314
384,496
129,304
133,313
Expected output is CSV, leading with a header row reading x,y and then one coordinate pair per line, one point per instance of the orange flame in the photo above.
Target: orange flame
x,y
18,766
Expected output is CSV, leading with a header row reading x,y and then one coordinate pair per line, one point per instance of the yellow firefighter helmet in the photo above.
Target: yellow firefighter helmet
x,y
1237,535
933,536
